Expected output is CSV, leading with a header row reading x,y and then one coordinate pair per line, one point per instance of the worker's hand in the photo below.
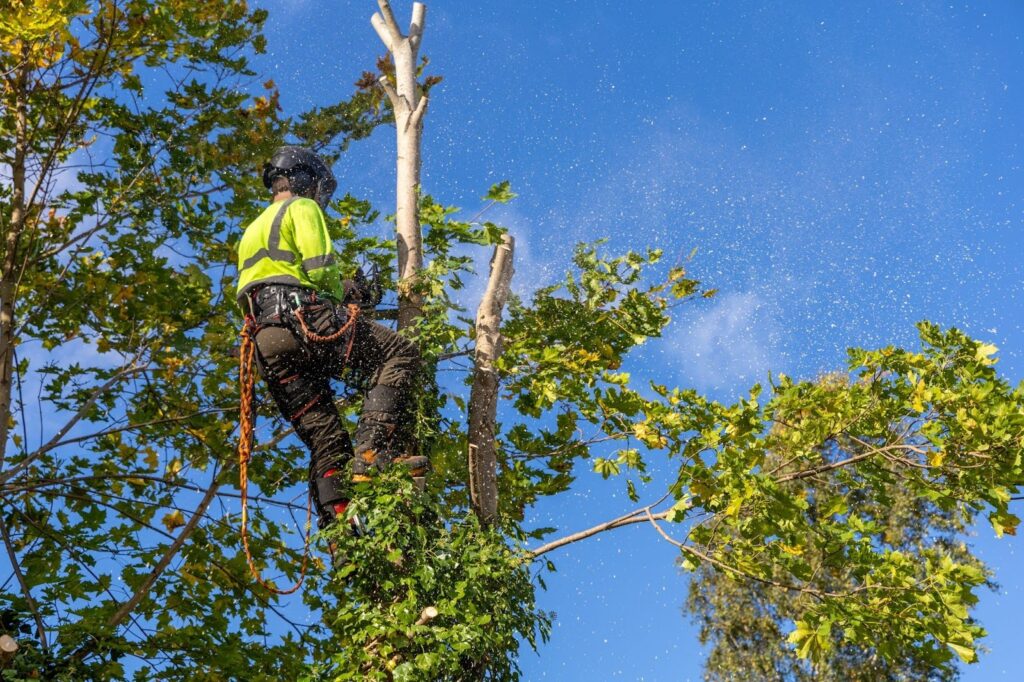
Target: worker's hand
x,y
366,292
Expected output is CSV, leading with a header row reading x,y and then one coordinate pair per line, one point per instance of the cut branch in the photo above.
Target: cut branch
x,y
419,112
388,89
388,20
483,397
419,20
382,29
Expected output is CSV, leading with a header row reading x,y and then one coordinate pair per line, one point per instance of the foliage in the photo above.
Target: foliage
x,y
417,557
937,426
133,132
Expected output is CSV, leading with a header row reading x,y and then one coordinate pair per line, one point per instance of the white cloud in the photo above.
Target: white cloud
x,y
730,345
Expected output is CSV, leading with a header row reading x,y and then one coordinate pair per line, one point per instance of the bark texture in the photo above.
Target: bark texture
x,y
9,268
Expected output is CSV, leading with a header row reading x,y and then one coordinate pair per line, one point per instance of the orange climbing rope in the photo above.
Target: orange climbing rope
x,y
247,380
353,314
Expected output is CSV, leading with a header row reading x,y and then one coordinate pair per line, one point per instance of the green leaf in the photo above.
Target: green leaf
x,y
967,654
500,193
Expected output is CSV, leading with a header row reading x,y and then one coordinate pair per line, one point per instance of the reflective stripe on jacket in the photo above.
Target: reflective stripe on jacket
x,y
289,244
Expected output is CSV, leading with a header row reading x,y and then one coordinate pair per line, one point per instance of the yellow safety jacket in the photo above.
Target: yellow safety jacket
x,y
288,244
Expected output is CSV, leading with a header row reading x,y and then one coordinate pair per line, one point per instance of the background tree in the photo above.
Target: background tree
x,y
746,623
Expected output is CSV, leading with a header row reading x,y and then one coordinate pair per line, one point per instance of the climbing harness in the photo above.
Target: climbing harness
x,y
247,381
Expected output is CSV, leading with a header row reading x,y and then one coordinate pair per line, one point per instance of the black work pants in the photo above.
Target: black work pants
x,y
298,372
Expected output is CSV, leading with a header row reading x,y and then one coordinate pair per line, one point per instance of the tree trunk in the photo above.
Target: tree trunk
x,y
483,397
8,270
409,104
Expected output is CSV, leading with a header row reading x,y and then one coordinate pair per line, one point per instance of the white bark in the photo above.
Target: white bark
x,y
409,105
483,398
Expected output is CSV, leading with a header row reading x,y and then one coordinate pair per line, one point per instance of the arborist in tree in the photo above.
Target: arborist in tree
x,y
308,328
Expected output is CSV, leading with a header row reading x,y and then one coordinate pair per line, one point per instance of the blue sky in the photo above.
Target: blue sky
x,y
844,170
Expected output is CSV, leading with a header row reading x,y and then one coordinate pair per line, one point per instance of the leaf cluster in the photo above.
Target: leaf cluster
x,y
426,595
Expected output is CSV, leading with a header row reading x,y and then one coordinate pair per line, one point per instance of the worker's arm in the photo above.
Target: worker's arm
x,y
315,248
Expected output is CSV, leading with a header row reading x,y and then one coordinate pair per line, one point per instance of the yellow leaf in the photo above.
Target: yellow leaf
x,y
174,467
648,435
966,653
734,506
984,352
173,520
918,397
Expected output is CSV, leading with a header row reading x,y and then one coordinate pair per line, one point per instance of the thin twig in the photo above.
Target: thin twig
x,y
25,591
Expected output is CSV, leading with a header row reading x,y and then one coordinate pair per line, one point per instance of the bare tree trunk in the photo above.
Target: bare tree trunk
x,y
483,397
8,270
409,104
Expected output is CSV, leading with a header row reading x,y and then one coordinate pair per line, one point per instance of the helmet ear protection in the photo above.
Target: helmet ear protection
x,y
307,173
300,179
325,187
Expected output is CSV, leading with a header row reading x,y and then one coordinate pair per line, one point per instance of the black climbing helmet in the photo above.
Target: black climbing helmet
x,y
305,171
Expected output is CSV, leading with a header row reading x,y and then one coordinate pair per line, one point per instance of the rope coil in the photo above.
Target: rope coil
x,y
353,313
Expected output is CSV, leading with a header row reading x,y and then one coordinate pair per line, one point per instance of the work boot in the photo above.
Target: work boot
x,y
332,498
366,460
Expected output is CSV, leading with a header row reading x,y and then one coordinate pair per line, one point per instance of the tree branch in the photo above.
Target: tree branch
x,y
85,407
419,20
382,30
808,473
389,18
419,111
389,90
636,516
131,427
386,26
171,552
